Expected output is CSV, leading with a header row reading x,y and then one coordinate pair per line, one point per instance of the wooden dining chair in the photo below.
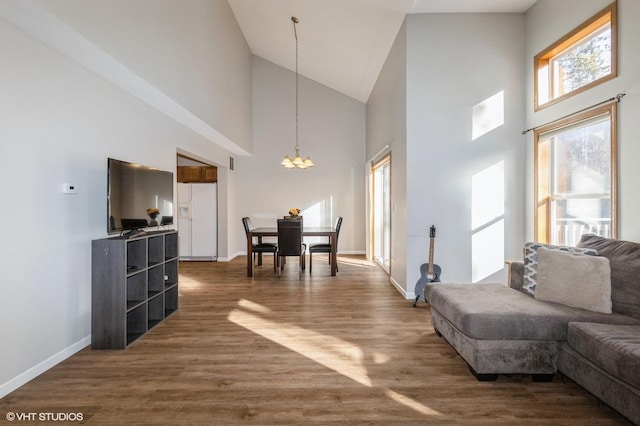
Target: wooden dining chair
x,y
324,247
261,247
290,242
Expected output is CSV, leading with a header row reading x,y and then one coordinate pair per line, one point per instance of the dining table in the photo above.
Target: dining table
x,y
319,231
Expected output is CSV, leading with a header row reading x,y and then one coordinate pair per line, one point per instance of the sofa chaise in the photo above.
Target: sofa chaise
x,y
590,331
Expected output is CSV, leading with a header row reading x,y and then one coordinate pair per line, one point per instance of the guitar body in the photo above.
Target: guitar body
x,y
429,272
425,279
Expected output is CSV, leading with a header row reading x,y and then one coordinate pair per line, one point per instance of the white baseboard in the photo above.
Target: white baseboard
x,y
407,295
232,256
40,368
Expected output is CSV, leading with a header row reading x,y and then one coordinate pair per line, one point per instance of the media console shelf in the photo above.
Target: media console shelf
x,y
134,286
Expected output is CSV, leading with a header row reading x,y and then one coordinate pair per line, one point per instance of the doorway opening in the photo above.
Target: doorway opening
x,y
381,212
197,188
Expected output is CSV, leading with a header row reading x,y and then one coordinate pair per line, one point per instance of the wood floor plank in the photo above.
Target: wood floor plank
x,y
295,349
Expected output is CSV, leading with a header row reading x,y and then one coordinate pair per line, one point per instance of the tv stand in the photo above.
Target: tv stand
x,y
134,286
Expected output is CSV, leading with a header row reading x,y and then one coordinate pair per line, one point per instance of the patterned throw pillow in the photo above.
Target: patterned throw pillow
x,y
531,262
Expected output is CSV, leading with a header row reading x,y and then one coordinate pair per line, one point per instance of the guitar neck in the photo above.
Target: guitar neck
x,y
431,244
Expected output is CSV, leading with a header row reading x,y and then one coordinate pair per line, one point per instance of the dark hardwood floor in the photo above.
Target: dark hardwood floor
x,y
290,350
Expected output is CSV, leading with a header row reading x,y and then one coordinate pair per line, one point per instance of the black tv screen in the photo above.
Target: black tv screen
x,y
135,190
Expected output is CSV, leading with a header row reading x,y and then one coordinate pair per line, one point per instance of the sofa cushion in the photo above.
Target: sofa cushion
x,y
624,259
531,262
613,348
574,279
496,312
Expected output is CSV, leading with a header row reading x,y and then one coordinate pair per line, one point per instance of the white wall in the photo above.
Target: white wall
x,y
422,106
454,62
60,122
546,22
193,36
331,132
386,125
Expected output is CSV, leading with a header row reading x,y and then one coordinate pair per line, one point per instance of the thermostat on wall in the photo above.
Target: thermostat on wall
x,y
69,188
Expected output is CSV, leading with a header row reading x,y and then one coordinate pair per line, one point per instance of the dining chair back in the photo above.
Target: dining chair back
x,y
324,247
260,247
290,241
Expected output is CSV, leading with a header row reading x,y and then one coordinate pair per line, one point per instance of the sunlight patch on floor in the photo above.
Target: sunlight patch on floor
x,y
336,354
188,284
343,260
379,358
333,353
410,403
255,307
354,262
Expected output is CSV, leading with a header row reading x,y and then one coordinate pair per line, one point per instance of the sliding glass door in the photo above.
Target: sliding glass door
x,y
381,209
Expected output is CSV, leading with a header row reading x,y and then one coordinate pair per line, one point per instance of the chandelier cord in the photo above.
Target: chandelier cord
x,y
297,162
295,34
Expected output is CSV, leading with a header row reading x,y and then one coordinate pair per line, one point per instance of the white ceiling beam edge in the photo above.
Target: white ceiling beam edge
x,y
42,25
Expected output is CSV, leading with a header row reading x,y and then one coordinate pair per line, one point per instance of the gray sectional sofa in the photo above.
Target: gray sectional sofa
x,y
506,330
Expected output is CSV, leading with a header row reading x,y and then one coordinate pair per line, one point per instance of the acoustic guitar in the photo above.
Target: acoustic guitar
x,y
429,272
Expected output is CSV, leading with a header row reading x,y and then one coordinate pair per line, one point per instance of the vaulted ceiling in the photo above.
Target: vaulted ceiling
x,y
342,43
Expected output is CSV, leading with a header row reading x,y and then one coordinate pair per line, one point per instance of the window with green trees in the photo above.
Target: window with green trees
x,y
585,57
575,177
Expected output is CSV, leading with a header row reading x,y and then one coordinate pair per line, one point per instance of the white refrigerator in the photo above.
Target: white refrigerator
x,y
198,221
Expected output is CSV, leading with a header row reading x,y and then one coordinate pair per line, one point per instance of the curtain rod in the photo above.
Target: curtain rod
x,y
616,98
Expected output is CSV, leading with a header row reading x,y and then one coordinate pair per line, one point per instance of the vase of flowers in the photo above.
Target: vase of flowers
x,y
294,213
153,214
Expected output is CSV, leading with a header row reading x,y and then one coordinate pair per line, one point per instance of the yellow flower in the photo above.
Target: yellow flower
x,y
294,211
153,210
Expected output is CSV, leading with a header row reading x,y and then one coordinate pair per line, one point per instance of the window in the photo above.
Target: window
x,y
575,177
584,58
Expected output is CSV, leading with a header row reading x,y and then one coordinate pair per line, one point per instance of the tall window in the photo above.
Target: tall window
x,y
585,57
381,200
575,177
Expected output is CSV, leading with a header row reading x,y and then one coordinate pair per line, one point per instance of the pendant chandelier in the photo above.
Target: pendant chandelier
x,y
296,162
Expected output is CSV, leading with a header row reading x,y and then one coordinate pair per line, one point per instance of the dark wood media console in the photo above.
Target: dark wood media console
x,y
134,286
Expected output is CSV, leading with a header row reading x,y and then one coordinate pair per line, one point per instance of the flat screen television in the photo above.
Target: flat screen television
x,y
132,191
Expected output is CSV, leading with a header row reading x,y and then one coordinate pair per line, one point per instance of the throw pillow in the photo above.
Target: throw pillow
x,y
574,279
531,262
